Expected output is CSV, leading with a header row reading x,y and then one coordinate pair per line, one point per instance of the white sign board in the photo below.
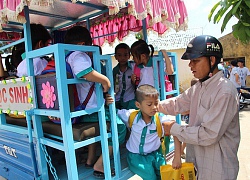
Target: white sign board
x,y
16,95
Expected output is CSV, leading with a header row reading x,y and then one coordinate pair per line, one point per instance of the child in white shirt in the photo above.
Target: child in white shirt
x,y
145,156
39,40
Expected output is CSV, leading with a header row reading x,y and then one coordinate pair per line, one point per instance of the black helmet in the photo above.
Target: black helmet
x,y
203,45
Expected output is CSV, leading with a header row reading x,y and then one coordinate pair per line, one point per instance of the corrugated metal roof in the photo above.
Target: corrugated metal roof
x,y
173,40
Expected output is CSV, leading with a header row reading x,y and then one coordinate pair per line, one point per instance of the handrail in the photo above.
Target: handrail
x,y
12,44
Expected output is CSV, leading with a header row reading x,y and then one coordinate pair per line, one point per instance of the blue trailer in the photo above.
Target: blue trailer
x,y
33,148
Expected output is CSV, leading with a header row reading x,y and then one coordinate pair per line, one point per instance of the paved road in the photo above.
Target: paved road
x,y
244,149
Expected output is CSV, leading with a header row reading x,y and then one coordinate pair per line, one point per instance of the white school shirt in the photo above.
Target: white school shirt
x,y
129,90
81,65
38,63
147,76
144,138
243,73
232,77
147,73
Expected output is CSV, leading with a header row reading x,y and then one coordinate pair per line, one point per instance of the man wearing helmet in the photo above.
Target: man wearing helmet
x,y
213,133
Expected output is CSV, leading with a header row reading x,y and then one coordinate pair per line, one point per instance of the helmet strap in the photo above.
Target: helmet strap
x,y
212,68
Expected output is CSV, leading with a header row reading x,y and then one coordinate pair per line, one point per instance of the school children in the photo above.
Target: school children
x,y
122,72
144,151
142,55
40,37
81,66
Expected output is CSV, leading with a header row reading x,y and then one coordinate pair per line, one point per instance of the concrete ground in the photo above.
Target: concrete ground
x,y
244,149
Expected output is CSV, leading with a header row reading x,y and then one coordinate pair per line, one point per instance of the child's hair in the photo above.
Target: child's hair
x,y
234,63
145,91
194,81
141,47
16,57
38,33
122,46
78,34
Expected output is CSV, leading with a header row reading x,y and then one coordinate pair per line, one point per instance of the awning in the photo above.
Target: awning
x,y
160,14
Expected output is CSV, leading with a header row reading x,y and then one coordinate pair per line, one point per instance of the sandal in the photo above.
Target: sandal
x,y
100,175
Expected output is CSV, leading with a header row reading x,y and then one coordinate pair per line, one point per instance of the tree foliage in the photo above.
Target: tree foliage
x,y
233,8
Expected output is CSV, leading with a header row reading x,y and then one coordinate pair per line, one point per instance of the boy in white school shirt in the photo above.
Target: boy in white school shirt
x,y
145,156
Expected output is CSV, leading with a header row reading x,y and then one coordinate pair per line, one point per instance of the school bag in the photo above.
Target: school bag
x,y
165,140
168,84
50,68
137,72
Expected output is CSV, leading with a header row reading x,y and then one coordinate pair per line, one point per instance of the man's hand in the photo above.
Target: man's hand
x,y
167,126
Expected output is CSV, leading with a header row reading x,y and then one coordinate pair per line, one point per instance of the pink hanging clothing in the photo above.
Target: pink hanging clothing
x,y
96,31
183,15
114,28
100,33
155,11
139,8
169,19
123,30
160,28
94,34
106,30
135,25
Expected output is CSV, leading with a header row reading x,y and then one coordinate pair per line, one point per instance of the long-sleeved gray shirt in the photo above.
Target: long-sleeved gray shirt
x,y
213,133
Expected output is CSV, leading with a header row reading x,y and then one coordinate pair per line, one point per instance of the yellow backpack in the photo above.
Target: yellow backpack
x,y
164,139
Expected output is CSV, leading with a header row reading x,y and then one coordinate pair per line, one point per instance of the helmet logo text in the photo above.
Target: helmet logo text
x,y
213,47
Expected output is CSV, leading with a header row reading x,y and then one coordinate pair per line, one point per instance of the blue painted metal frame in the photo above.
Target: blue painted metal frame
x,y
86,4
68,145
159,62
80,19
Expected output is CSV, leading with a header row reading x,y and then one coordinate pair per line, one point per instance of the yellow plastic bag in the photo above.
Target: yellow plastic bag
x,y
186,172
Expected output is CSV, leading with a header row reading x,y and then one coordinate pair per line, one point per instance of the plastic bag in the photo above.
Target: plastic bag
x,y
186,172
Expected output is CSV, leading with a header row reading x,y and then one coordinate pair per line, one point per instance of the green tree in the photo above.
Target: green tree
x,y
233,8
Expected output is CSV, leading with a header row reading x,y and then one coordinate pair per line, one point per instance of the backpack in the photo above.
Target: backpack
x,y
168,84
137,72
50,68
165,140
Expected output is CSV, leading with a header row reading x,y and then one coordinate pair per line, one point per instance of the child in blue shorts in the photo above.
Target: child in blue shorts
x,y
145,156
